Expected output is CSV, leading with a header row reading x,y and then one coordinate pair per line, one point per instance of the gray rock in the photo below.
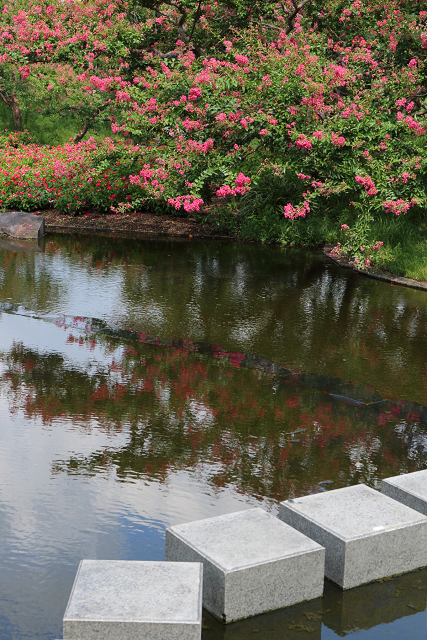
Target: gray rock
x,y
252,562
127,600
409,489
367,535
19,224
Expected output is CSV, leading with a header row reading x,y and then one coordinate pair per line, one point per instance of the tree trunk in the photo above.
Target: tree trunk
x,y
81,134
17,113
12,102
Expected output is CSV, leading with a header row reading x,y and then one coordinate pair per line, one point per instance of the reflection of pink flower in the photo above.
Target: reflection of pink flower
x,y
236,359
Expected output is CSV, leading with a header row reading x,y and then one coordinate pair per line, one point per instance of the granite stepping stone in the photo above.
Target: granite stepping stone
x,y
366,534
409,489
127,600
252,562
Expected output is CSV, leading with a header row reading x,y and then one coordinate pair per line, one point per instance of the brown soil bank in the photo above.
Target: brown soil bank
x,y
138,224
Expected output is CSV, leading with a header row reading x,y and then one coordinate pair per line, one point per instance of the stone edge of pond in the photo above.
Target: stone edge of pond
x,y
135,233
375,274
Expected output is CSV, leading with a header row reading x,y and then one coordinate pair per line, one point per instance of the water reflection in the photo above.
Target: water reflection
x,y
288,305
109,435
183,410
22,246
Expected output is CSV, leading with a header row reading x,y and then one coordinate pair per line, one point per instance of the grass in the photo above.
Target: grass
x,y
46,130
406,241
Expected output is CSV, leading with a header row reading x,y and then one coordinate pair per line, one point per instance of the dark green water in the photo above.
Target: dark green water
x,y
108,437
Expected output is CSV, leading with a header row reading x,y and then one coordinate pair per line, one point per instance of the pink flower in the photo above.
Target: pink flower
x,y
242,60
292,212
189,203
397,206
224,191
318,134
195,93
368,183
413,63
304,142
337,141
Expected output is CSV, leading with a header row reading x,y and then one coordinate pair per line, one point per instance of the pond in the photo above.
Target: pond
x,y
150,382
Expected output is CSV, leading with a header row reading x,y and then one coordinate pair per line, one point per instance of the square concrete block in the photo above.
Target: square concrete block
x,y
367,535
118,600
409,489
252,562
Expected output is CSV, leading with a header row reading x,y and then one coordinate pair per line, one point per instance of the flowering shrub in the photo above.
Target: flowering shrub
x,y
71,177
334,98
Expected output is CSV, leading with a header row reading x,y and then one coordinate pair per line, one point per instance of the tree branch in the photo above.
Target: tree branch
x,y
293,15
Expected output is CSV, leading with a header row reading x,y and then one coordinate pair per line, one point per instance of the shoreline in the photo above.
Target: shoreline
x,y
149,224
373,273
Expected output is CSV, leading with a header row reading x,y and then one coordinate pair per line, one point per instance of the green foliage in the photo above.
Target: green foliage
x,y
260,212
306,123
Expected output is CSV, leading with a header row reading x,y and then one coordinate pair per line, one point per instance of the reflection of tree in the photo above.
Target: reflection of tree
x,y
27,279
284,304
185,411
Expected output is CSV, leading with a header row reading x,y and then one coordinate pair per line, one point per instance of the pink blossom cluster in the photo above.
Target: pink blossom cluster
x,y
303,141
368,183
188,203
337,141
195,93
398,206
292,212
242,183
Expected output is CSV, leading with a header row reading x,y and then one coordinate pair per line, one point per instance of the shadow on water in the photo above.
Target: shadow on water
x,y
343,612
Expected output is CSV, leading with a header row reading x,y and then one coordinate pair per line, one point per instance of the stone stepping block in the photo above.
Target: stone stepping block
x,y
114,600
367,535
252,562
409,489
